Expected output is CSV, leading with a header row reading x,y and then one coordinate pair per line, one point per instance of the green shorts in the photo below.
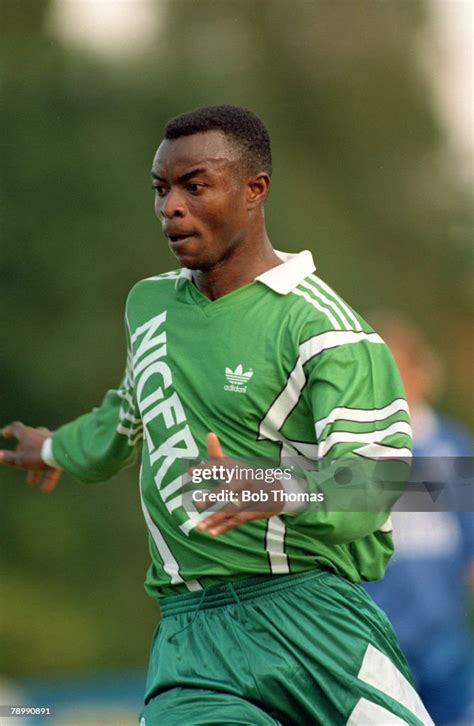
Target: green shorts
x,y
309,649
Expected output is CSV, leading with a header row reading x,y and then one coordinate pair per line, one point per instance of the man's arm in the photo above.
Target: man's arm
x,y
361,418
362,422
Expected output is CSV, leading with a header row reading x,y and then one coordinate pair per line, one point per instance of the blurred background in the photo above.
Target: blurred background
x,y
369,105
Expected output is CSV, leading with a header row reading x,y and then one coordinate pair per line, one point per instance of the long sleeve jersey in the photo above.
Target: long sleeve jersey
x,y
281,367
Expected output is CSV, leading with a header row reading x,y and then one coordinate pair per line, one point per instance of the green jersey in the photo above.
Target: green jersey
x,y
281,367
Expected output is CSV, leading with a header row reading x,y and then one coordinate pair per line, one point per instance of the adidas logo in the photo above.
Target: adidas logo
x,y
237,379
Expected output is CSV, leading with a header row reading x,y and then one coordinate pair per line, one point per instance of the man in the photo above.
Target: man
x,y
244,352
423,589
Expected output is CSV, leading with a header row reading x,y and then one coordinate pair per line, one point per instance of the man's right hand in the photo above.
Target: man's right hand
x,y
27,454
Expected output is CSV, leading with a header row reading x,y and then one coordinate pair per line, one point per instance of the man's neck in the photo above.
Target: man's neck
x,y
240,268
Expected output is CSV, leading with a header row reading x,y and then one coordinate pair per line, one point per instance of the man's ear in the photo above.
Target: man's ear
x,y
258,187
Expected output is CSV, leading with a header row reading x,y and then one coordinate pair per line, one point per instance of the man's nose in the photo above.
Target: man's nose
x,y
172,205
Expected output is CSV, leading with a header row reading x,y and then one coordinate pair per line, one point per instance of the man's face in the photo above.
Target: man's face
x,y
200,198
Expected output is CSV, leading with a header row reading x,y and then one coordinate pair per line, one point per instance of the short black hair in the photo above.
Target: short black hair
x,y
243,127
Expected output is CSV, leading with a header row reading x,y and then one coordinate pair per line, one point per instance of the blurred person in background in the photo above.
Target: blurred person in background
x,y
424,589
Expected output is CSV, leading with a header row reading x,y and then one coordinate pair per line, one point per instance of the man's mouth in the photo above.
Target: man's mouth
x,y
179,237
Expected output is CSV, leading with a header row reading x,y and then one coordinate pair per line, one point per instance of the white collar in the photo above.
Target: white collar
x,y
282,278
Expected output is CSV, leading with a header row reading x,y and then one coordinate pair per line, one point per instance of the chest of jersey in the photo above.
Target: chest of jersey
x,y
212,369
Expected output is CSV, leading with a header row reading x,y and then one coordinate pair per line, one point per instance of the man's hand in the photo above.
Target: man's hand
x,y
235,512
27,454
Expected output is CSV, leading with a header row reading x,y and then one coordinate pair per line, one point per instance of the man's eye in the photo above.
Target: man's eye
x,y
159,189
194,187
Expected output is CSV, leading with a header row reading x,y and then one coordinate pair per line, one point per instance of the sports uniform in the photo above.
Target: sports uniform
x,y
281,367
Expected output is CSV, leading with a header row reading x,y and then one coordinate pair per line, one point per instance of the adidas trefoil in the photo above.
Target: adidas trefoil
x,y
237,379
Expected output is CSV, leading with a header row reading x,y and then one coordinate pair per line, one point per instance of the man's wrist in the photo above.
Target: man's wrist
x,y
47,453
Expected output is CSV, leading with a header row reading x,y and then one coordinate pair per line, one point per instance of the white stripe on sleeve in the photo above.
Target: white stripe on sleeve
x,y
381,451
288,397
324,286
361,415
345,437
334,322
326,301
332,339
